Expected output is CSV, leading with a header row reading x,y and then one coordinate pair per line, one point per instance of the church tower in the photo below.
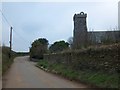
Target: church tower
x,y
80,31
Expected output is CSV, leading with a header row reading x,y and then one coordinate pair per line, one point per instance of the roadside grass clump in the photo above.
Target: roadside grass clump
x,y
43,64
57,69
6,59
97,79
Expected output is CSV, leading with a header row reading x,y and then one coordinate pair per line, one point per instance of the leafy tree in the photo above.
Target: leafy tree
x,y
39,47
59,46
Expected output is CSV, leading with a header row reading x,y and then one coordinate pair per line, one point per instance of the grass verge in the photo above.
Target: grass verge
x,y
6,60
98,79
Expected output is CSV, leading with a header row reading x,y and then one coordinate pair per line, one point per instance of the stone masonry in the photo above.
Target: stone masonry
x,y
80,30
83,38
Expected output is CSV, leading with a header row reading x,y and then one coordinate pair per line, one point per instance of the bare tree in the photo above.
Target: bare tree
x,y
70,41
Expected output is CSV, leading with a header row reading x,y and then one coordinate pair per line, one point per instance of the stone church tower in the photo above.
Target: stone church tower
x,y
80,31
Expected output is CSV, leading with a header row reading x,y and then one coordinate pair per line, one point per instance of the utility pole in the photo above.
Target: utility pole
x,y
10,41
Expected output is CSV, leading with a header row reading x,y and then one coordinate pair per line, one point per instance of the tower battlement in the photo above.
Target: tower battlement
x,y
80,15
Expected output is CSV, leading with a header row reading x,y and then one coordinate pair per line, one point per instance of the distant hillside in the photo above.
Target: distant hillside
x,y
22,53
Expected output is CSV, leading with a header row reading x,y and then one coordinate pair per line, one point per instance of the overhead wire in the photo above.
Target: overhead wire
x,y
5,18
12,26
20,36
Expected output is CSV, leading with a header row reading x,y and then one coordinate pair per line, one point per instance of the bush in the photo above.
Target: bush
x,y
59,46
39,47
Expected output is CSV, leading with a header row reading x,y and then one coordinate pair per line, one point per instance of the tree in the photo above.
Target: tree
x,y
70,41
39,47
59,46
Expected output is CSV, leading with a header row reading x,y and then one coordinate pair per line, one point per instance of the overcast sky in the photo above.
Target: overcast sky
x,y
53,20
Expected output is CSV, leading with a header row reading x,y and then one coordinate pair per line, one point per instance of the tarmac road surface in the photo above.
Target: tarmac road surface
x,y
24,74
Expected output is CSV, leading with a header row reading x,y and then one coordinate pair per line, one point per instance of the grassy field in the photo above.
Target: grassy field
x,y
97,79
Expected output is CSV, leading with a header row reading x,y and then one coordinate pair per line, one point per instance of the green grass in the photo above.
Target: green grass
x,y
6,63
6,60
99,79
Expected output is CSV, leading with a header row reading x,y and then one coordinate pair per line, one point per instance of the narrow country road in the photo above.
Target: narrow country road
x,y
24,74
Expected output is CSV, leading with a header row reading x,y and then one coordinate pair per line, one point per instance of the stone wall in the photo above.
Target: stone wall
x,y
104,59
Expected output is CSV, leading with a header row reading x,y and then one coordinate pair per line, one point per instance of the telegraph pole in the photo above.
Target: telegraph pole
x,y
10,41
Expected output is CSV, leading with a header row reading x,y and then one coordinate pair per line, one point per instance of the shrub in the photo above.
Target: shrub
x,y
39,47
